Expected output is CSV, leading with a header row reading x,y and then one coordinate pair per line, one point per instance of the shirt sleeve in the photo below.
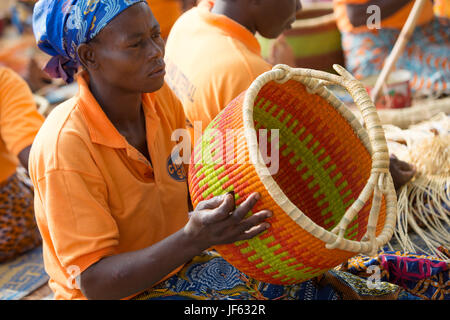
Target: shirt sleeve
x,y
19,118
72,208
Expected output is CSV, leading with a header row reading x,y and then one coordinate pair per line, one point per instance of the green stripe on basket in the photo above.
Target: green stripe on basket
x,y
312,45
211,173
266,254
308,44
327,185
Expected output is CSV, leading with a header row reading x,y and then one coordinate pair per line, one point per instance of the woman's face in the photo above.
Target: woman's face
x,y
129,51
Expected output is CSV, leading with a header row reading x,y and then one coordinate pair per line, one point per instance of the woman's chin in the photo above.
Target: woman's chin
x,y
155,84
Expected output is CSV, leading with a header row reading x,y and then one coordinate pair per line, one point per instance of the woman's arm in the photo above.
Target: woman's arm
x,y
401,171
125,274
357,13
213,222
23,157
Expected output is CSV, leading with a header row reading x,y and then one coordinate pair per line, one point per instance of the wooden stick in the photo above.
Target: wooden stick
x,y
403,38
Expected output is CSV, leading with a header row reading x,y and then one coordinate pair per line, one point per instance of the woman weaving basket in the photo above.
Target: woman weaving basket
x,y
110,213
19,123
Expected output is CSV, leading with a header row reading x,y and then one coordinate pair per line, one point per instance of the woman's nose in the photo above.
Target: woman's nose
x,y
155,48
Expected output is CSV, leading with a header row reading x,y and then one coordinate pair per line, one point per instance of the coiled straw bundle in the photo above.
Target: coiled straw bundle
x,y
424,202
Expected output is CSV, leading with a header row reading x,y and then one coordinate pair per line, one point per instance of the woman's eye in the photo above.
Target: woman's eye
x,y
136,44
156,35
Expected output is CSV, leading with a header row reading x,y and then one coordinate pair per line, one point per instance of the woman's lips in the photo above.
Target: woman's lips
x,y
160,71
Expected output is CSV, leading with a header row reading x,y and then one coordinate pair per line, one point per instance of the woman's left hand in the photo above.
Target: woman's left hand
x,y
401,171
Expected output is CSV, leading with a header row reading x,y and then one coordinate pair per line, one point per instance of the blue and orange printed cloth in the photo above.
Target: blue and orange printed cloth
x,y
18,229
426,55
386,276
61,26
423,276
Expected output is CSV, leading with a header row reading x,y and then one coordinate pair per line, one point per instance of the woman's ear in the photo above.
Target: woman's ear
x,y
87,56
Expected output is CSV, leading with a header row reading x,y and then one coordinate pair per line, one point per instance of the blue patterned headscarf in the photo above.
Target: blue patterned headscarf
x,y
60,26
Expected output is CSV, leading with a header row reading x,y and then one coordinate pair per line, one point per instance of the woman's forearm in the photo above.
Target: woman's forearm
x,y
357,13
23,157
125,274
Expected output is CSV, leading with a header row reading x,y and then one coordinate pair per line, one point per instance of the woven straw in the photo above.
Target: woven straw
x,y
314,39
423,213
332,195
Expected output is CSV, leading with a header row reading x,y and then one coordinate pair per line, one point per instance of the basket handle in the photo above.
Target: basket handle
x,y
380,180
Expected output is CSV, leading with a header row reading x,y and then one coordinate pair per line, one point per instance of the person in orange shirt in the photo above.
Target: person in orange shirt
x,y
111,198
167,12
212,53
370,29
19,123
441,8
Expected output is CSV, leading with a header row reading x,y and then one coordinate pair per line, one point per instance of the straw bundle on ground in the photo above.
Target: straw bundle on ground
x,y
424,202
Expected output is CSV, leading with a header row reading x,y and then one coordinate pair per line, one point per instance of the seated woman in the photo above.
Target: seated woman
x,y
367,45
111,213
19,123
223,35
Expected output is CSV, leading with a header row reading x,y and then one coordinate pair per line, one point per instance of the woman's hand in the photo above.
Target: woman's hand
x,y
401,171
281,52
216,221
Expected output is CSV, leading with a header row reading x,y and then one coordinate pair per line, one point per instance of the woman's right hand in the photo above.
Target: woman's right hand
x,y
216,221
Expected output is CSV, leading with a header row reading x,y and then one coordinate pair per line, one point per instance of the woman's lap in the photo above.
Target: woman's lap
x,y
18,229
210,277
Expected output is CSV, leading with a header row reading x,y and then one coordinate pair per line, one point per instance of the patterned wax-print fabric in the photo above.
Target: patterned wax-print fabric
x,y
18,230
210,277
423,276
426,55
61,26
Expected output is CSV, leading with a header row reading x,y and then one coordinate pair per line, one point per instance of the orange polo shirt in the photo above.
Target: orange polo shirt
x,y
210,60
395,21
166,13
95,194
441,8
19,120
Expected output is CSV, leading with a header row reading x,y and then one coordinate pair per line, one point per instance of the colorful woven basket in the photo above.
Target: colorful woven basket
x,y
331,194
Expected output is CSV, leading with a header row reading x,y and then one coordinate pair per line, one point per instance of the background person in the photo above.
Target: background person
x,y
19,124
426,55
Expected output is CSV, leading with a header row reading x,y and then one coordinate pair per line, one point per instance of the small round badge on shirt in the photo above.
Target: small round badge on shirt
x,y
175,167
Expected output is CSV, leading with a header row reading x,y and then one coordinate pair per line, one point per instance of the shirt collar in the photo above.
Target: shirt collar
x,y
231,27
101,129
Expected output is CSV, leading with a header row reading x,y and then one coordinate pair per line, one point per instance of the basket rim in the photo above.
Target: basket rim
x,y
277,193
